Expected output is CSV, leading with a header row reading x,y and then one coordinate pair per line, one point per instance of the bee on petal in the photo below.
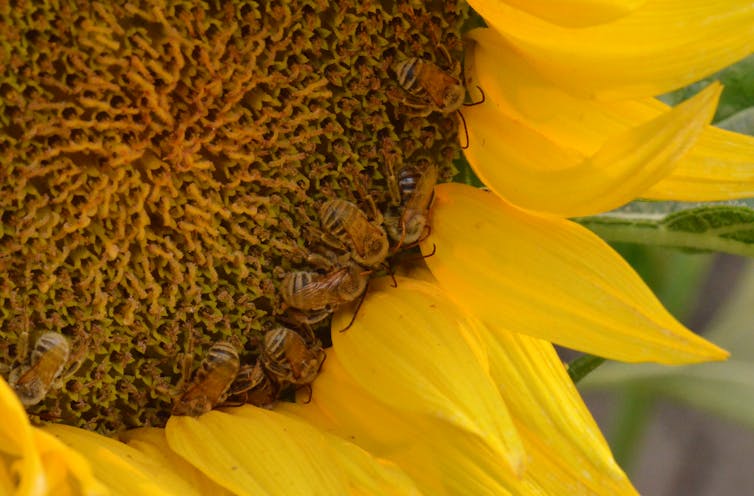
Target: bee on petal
x,y
255,385
211,382
288,358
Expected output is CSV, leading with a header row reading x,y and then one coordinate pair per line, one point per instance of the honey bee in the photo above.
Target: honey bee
x,y
318,295
407,223
289,359
346,224
438,90
211,382
255,386
49,357
434,89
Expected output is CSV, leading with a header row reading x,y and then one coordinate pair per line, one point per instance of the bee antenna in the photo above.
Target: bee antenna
x,y
465,130
480,101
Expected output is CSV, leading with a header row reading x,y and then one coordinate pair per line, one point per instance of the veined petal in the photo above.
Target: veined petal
x,y
660,46
152,443
18,452
577,13
256,451
527,156
368,474
719,166
550,278
410,347
559,428
441,458
123,469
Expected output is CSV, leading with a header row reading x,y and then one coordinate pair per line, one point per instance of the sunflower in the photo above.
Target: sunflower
x,y
446,383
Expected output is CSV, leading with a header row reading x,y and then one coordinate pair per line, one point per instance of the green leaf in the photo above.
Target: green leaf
x,y
465,173
718,227
583,366
740,122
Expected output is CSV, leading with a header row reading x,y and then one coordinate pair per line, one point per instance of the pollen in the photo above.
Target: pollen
x,y
162,165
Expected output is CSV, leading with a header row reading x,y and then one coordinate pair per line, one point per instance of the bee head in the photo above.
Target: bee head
x,y
415,225
453,97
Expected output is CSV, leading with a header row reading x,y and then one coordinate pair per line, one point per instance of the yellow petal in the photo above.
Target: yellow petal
x,y
68,472
577,13
18,452
414,349
256,451
439,457
659,46
550,278
547,407
124,470
152,443
535,166
719,166
34,463
367,474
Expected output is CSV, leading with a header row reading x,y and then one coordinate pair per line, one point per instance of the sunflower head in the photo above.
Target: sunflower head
x,y
163,171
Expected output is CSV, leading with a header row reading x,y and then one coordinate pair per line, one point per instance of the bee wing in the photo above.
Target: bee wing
x,y
318,294
422,195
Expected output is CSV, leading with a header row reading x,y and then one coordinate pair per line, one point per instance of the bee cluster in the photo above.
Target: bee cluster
x,y
187,188
287,359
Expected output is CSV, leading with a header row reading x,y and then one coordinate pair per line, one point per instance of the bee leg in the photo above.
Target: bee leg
x,y
320,261
424,108
187,361
358,306
392,180
73,364
465,129
316,235
310,336
22,346
480,101
391,272
454,65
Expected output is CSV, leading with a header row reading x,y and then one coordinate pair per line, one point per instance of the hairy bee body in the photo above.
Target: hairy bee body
x,y
48,359
310,291
442,92
287,356
346,222
255,385
407,223
211,382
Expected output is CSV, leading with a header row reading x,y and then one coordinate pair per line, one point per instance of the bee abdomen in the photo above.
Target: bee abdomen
x,y
406,70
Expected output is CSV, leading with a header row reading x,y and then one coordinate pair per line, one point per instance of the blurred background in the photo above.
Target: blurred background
x,y
686,430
